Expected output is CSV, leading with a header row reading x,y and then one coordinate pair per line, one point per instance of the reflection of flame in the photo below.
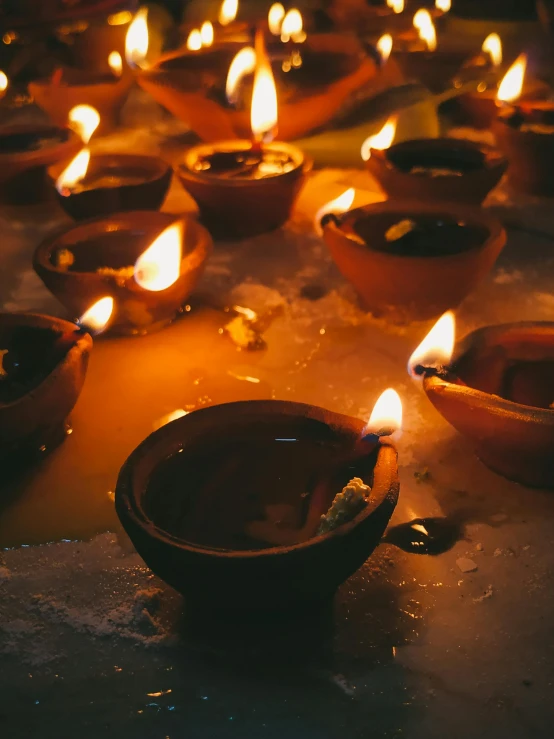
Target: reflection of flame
x,y
96,318
386,416
116,63
493,46
119,19
159,266
173,416
292,27
228,11
207,33
381,140
443,5
3,82
396,5
84,119
248,313
512,82
73,173
384,47
244,63
437,347
194,41
426,28
336,206
420,528
275,18
136,41
263,114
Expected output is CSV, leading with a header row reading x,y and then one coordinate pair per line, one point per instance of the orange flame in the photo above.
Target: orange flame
x,y
228,11
263,114
116,63
3,82
73,173
397,6
244,63
136,40
292,27
384,47
512,83
194,41
96,318
492,45
381,140
339,205
275,18
159,266
443,5
84,120
437,347
207,33
425,28
386,416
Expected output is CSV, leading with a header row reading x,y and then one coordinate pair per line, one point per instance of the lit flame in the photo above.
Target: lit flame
x,y
136,40
512,82
244,63
3,81
207,33
443,5
263,114
381,140
228,11
194,41
116,63
386,416
397,6
425,28
275,18
96,318
292,27
384,47
436,348
336,206
159,266
73,173
84,119
492,45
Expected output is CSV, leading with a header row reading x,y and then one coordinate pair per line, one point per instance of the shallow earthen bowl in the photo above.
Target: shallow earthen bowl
x,y
147,194
116,242
504,408
48,358
481,166
274,577
434,69
402,287
531,157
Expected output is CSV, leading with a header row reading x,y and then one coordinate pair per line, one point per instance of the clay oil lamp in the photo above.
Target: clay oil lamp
x,y
524,131
108,183
147,262
43,363
246,187
236,505
412,260
479,105
442,169
422,60
496,387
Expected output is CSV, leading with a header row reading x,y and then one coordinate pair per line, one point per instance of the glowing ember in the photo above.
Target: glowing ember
x,y
244,63
492,45
194,41
96,318
116,63
336,206
160,265
292,27
73,173
136,41
512,83
443,5
84,119
425,28
386,416
436,348
207,33
397,6
228,11
263,114
381,140
275,18
384,47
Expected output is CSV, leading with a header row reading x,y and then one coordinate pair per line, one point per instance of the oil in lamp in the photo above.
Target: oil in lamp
x,y
495,388
246,187
245,535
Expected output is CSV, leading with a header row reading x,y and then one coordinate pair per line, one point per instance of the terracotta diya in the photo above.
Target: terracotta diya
x,y
497,389
479,105
147,262
412,260
524,131
442,169
225,504
247,187
43,363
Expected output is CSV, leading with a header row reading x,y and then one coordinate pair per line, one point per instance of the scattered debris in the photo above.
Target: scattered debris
x,y
466,565
479,547
5,574
486,594
498,552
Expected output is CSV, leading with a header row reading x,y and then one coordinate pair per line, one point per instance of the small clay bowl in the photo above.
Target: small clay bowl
x,y
26,152
159,496
115,183
45,366
434,69
234,208
115,243
479,108
504,408
449,260
476,169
